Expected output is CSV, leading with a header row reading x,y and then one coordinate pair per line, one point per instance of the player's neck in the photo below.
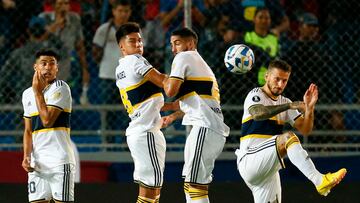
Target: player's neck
x,y
268,93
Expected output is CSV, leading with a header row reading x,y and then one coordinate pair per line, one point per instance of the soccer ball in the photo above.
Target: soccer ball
x,y
239,59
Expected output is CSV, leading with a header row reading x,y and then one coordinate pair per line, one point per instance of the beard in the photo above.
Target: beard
x,y
273,92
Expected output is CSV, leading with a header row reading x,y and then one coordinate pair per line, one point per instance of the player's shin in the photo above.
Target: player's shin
x,y
300,158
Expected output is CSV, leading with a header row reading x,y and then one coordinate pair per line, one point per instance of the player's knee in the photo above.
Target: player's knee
x,y
285,140
290,138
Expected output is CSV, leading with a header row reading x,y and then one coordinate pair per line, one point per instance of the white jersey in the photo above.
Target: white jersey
x,y
141,98
199,94
253,131
51,146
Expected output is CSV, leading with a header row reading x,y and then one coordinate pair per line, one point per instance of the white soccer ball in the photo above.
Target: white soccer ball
x,y
239,58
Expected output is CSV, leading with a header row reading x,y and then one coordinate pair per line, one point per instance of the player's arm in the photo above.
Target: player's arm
x,y
167,120
156,77
305,123
171,106
260,112
27,145
172,86
48,114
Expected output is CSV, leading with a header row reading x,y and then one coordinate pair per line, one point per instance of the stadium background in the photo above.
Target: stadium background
x,y
330,60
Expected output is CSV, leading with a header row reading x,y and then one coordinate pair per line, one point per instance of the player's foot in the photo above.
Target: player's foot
x,y
329,181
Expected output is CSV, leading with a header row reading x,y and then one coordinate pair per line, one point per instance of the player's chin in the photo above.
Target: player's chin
x,y
277,92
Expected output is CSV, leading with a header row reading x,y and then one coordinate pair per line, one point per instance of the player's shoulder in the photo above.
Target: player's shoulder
x,y
284,99
255,94
133,58
27,92
256,90
185,54
60,84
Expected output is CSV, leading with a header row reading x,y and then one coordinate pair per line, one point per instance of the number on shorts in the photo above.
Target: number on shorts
x,y
32,188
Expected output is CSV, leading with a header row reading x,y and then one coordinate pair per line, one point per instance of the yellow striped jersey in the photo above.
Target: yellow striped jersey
x,y
141,98
51,145
254,132
199,93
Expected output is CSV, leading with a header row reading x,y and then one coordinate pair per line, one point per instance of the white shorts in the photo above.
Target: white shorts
x,y
259,169
56,183
202,147
148,152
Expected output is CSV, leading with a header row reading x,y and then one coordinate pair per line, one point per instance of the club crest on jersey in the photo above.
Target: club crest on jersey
x,y
56,95
121,75
256,98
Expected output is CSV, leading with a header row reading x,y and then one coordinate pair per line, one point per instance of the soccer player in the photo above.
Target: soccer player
x,y
263,145
194,85
140,88
48,156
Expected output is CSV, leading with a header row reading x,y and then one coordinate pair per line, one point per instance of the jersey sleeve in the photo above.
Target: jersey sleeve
x,y
25,105
178,67
292,114
142,66
254,97
60,97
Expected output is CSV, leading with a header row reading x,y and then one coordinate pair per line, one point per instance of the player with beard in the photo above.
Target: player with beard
x,y
263,145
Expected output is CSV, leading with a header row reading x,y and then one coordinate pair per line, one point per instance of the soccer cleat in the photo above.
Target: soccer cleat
x,y
329,181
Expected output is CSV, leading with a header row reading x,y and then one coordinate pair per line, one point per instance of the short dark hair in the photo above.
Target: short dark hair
x,y
120,3
47,52
261,9
280,64
186,32
126,29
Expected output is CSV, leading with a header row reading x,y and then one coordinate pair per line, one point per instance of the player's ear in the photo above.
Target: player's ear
x,y
34,66
122,49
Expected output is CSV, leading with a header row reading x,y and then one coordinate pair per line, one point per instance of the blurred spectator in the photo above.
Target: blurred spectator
x,y
75,6
306,55
263,42
280,21
172,17
106,51
18,69
67,25
136,5
7,11
153,34
311,64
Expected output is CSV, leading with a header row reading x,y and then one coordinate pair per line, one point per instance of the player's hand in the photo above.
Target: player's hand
x,y
166,121
311,96
38,82
299,105
26,165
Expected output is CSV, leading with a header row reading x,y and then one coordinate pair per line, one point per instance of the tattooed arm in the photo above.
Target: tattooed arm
x,y
260,112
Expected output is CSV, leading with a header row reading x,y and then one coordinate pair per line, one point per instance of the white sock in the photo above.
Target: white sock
x,y
199,195
187,196
300,158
